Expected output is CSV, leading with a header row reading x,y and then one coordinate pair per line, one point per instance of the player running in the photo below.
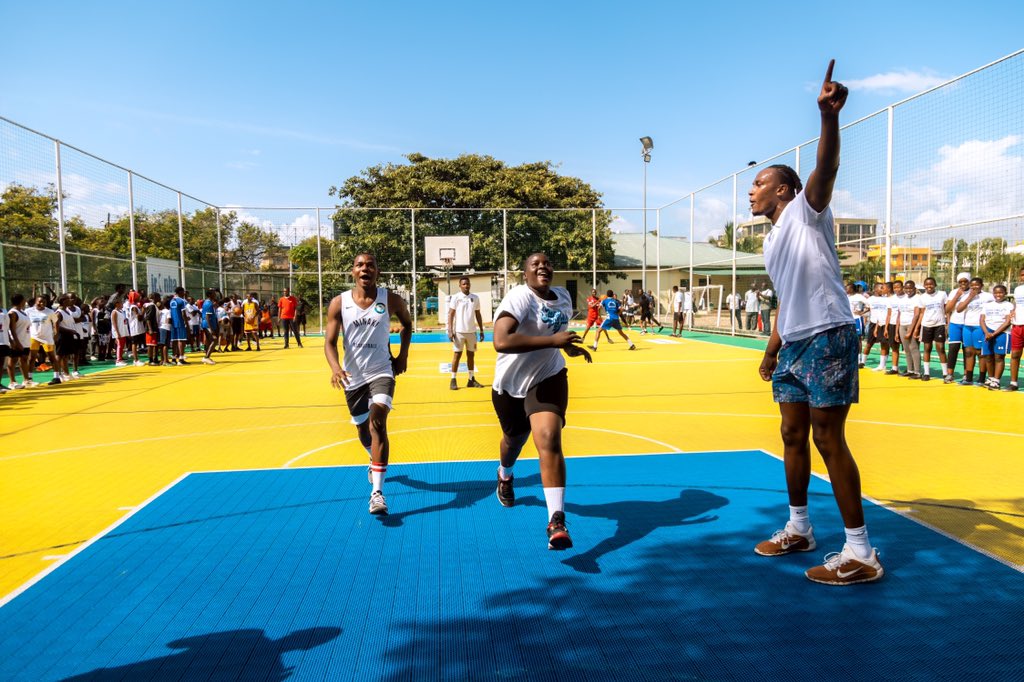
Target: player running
x,y
611,308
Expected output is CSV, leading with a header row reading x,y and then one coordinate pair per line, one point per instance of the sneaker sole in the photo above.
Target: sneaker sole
x,y
792,550
379,512
505,503
559,541
843,583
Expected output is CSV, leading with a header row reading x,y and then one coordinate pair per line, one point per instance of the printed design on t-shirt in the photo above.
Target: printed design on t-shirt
x,y
553,318
379,308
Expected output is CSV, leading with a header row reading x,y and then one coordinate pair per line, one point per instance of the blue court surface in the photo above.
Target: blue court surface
x,y
280,574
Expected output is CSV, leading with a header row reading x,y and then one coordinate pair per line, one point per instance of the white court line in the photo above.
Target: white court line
x,y
63,559
295,459
909,515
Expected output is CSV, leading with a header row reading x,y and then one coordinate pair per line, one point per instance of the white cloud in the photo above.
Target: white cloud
x,y
241,165
902,81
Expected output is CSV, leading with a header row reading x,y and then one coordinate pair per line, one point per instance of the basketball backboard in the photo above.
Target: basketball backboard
x,y
447,252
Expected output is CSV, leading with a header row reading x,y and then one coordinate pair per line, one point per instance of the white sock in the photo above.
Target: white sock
x,y
453,375
857,540
505,472
377,472
799,519
860,358
881,363
470,374
555,497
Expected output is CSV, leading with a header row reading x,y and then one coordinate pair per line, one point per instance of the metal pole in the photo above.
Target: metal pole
x,y
131,231
693,303
415,306
319,270
644,274
3,276
735,218
220,256
888,197
952,274
593,247
504,248
60,222
657,258
181,245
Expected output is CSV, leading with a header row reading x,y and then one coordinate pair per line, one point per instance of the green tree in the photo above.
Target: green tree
x,y
28,214
470,182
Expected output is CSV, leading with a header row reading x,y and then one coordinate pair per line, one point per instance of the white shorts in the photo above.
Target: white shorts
x,y
464,342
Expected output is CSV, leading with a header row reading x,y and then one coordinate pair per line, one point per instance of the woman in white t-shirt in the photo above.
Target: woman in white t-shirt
x,y
996,316
811,357
41,331
971,305
531,387
933,326
1017,333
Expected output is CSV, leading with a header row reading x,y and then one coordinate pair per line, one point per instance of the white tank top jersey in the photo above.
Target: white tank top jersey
x,y
517,373
66,320
22,329
934,306
957,317
800,256
366,338
996,314
972,316
135,325
1018,310
5,339
80,327
119,324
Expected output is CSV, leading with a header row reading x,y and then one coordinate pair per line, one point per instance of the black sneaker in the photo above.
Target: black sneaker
x,y
183,361
948,379
891,372
558,536
506,493
473,383
454,385
926,377
965,382
54,382
1009,388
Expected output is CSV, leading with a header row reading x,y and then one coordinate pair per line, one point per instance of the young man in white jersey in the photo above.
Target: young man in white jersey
x,y
996,316
811,357
877,309
19,328
531,386
971,306
1016,333
67,340
6,361
933,326
464,323
956,324
363,317
908,325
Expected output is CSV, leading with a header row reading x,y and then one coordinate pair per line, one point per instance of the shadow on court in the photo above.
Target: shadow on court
x,y
466,494
1002,532
235,654
635,519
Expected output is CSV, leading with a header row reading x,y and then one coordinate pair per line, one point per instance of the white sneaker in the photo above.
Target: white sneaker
x,y
76,375
65,378
378,505
93,358
879,368
15,387
208,361
29,384
139,363
594,347
120,364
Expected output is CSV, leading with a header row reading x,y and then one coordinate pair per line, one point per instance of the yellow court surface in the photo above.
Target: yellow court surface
x,y
74,459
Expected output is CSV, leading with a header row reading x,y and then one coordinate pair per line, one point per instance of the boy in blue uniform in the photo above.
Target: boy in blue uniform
x,y
611,308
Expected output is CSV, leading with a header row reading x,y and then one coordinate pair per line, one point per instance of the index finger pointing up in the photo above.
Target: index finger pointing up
x,y
828,73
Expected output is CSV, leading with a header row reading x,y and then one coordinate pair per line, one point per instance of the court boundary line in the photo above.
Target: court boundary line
x,y
21,589
910,517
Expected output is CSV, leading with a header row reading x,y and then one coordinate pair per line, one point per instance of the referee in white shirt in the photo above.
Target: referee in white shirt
x,y
811,358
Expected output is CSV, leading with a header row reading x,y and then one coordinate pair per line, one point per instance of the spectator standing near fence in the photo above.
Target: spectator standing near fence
x,y
811,357
66,346
287,306
20,330
464,324
1017,333
996,317
752,306
971,306
6,362
765,299
251,322
179,325
910,313
933,326
41,318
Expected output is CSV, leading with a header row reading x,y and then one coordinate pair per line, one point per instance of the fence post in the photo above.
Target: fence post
x,y
888,196
220,256
181,246
131,231
693,303
657,258
3,275
415,304
504,252
735,225
60,221
593,248
319,270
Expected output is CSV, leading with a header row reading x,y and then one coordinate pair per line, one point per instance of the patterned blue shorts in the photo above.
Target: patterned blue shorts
x,y
820,370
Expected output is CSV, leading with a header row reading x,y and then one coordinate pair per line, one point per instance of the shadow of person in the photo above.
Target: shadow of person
x,y
636,519
466,494
234,654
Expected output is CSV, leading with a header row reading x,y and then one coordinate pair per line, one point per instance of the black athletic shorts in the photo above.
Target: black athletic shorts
x,y
67,344
19,352
139,341
236,325
875,335
5,350
550,395
894,336
380,390
933,334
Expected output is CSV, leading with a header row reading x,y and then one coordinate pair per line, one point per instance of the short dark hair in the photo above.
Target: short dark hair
x,y
788,177
462,279
371,254
999,286
17,299
929,278
610,293
910,283
979,280
531,255
179,290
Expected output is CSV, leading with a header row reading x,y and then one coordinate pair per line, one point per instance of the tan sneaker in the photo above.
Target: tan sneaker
x,y
787,541
844,568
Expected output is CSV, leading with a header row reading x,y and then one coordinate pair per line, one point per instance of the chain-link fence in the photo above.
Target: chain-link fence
x,y
930,186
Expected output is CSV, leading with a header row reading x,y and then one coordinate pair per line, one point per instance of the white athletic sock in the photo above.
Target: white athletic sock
x,y
453,374
799,519
505,472
470,374
377,472
555,497
857,540
860,358
882,361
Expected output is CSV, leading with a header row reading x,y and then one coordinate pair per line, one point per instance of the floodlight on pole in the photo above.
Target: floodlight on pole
x,y
648,145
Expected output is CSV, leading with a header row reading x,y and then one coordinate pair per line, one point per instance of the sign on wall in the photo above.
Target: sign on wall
x,y
161,275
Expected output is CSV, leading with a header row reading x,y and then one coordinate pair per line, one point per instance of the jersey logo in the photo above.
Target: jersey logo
x,y
554,319
379,308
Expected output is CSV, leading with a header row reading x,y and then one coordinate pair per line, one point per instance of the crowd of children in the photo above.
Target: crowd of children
x,y
63,334
984,325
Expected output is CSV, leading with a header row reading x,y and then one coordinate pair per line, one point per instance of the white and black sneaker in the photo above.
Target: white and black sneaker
x,y
378,505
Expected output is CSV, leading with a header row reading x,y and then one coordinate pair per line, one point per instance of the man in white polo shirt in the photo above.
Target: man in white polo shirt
x,y
752,306
811,357
464,323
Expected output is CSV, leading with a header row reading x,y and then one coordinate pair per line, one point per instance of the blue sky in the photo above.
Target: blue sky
x,y
271,103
